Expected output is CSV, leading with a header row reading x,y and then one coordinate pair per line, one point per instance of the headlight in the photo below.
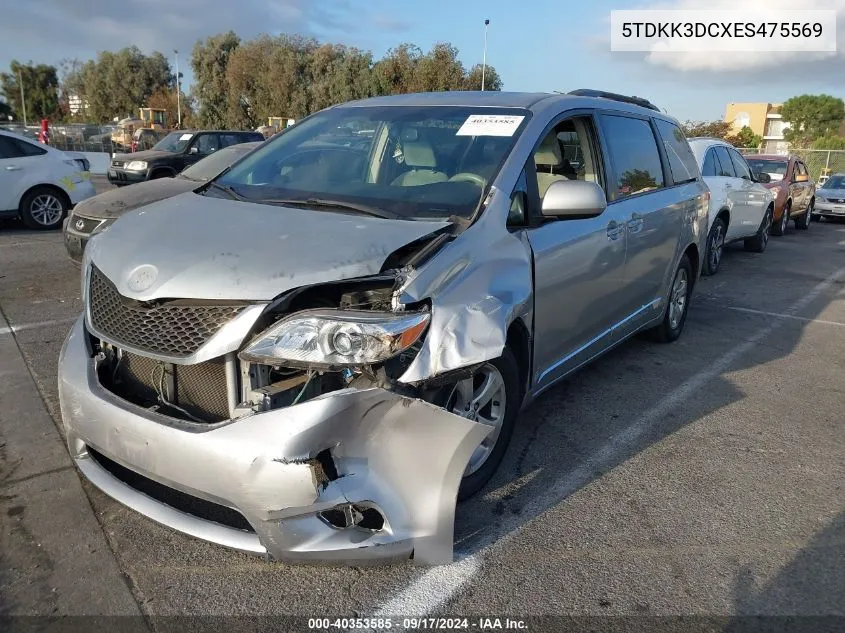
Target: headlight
x,y
821,199
336,338
137,165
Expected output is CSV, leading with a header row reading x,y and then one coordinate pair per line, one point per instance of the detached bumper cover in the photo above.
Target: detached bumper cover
x,y
402,456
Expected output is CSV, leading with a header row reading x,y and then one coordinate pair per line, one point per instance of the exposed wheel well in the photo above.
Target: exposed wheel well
x,y
519,342
692,254
62,194
725,215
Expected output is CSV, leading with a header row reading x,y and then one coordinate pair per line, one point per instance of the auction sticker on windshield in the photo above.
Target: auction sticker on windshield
x,y
185,137
489,125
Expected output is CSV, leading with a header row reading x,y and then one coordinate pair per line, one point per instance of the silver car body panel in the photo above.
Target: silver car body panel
x,y
399,453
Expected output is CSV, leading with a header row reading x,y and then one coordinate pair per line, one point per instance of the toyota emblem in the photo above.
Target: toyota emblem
x,y
80,224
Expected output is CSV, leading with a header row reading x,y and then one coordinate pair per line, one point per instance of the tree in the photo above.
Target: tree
x,y
712,129
118,83
40,85
209,61
438,70
829,142
166,100
492,81
745,138
811,117
394,73
5,111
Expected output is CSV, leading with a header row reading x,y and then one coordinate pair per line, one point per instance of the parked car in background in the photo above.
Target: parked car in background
x,y
172,154
38,183
830,198
741,208
793,188
98,213
327,345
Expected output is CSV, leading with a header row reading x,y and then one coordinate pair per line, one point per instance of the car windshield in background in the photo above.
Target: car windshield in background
x,y
775,168
835,182
211,166
174,142
406,161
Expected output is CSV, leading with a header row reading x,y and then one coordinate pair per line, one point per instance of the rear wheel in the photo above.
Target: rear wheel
x,y
715,247
677,304
759,242
43,209
491,397
803,223
779,229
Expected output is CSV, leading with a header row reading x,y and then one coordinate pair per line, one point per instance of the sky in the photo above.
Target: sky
x,y
539,45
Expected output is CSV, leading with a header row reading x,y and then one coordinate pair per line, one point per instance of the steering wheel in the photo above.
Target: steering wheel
x,y
466,176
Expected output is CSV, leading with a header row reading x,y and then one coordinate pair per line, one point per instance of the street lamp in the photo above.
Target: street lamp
x,y
484,62
178,92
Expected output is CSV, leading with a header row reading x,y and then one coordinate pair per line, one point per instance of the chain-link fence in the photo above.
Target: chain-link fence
x,y
820,162
83,138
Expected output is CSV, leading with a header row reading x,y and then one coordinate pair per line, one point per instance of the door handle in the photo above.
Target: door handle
x,y
614,229
12,168
728,185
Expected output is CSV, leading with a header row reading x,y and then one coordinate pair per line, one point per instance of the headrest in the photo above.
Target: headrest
x,y
549,152
418,154
410,134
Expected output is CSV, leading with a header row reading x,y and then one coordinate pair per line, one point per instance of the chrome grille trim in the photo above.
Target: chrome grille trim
x,y
173,330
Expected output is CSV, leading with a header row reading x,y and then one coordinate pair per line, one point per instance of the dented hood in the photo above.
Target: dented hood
x,y
199,247
115,202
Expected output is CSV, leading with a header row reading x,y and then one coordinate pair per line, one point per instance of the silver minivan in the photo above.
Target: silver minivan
x,y
316,354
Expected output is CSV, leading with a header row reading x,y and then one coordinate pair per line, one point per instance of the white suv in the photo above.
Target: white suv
x,y
740,207
40,183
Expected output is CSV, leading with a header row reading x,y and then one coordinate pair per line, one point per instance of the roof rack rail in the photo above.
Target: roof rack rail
x,y
585,92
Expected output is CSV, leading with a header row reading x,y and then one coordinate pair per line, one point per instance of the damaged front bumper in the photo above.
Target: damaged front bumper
x,y
353,476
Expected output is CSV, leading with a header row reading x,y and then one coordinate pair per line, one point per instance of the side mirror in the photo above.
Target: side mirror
x,y
763,177
194,150
802,178
573,199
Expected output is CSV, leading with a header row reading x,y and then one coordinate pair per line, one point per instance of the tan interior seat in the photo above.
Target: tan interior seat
x,y
546,158
419,156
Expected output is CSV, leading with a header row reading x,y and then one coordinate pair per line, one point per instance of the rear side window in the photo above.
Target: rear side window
x,y
740,166
725,165
634,156
682,163
711,164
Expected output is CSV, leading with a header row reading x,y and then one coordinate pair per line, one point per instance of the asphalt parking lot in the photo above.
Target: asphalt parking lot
x,y
703,478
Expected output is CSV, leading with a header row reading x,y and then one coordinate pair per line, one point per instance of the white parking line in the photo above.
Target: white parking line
x,y
437,586
785,316
11,329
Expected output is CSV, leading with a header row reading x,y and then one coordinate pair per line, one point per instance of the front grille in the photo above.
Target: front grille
x,y
177,500
117,163
83,225
200,390
174,329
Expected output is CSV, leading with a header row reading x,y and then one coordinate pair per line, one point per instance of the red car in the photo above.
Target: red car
x,y
795,191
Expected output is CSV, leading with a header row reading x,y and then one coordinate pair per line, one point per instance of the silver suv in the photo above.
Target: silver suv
x,y
314,355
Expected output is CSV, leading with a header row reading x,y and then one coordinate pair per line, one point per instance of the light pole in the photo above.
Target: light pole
x,y
484,61
23,100
178,92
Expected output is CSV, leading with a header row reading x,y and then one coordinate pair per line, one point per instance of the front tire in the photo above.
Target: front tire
x,y
677,304
43,209
490,396
715,247
779,229
759,242
803,223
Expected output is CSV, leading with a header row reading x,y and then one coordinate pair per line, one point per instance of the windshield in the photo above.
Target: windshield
x,y
775,168
174,142
408,161
212,165
834,182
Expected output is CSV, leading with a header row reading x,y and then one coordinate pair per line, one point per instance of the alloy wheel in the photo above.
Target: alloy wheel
x,y
717,243
46,209
481,398
784,220
767,228
678,299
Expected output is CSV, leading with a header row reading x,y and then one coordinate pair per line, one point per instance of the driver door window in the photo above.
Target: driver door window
x,y
566,153
207,144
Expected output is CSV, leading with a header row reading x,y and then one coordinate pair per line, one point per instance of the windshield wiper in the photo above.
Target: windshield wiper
x,y
336,204
227,189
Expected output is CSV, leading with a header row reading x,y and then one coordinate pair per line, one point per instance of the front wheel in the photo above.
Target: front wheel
x,y
491,396
779,229
675,314
43,209
715,247
759,242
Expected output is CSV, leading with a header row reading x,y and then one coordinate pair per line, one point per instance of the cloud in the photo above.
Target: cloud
x,y
50,30
712,63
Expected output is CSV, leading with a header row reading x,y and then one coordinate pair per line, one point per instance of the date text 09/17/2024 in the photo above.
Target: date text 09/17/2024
x,y
416,624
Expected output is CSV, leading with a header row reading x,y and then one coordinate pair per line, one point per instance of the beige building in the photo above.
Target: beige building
x,y
764,119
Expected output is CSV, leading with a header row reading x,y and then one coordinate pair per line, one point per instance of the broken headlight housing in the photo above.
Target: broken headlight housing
x,y
332,339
